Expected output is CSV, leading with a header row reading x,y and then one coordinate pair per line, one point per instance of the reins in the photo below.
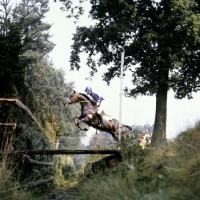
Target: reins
x,y
79,101
84,101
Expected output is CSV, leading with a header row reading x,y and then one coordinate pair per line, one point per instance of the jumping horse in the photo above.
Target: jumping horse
x,y
88,115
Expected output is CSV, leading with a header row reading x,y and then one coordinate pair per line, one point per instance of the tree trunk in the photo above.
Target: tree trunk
x,y
23,107
159,132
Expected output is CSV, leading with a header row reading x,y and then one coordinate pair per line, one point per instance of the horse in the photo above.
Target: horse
x,y
88,115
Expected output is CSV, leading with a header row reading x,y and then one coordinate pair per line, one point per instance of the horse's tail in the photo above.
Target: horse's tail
x,y
126,126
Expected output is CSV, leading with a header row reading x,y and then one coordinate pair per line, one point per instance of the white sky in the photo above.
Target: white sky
x,y
180,113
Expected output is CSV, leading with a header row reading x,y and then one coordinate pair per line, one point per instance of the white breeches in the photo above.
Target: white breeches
x,y
101,111
101,107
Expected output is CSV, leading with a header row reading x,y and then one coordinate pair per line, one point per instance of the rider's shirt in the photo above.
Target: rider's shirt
x,y
96,96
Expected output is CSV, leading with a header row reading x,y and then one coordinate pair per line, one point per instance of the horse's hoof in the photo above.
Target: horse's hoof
x,y
85,129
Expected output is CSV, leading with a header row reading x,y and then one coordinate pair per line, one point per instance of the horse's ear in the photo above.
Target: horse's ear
x,y
74,91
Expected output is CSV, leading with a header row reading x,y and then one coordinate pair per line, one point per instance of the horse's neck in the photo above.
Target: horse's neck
x,y
86,105
85,102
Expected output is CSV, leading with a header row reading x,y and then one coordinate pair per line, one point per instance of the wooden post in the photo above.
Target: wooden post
x,y
95,138
120,107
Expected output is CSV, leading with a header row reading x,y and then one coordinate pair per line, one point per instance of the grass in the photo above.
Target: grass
x,y
10,188
170,172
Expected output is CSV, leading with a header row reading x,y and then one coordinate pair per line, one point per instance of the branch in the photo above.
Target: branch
x,y
23,107
35,162
39,182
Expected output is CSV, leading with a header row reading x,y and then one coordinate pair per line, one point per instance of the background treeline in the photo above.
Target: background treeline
x,y
27,74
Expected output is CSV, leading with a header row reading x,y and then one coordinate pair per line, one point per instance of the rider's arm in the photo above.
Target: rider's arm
x,y
95,96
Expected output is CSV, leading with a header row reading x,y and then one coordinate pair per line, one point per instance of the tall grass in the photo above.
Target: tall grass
x,y
10,188
170,172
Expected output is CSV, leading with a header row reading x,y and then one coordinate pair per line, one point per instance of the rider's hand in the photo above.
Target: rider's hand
x,y
93,100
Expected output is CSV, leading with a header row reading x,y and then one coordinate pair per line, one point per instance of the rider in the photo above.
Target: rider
x,y
100,101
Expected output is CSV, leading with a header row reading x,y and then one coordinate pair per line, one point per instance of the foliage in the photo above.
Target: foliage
x,y
43,96
9,185
143,29
10,49
27,75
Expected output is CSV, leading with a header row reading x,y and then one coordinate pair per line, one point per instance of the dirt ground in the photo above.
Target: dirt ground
x,y
62,194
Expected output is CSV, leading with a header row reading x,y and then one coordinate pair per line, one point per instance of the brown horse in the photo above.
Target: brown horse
x,y
88,115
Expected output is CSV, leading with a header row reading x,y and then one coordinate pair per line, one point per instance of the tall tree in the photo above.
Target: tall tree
x,y
46,84
162,38
26,73
11,76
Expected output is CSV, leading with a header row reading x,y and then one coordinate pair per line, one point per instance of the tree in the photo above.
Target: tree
x,y
45,83
11,76
26,72
162,38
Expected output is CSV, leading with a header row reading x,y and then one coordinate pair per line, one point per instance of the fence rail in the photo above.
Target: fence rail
x,y
61,152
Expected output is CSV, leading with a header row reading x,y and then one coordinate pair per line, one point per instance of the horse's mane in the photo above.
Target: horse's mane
x,y
88,98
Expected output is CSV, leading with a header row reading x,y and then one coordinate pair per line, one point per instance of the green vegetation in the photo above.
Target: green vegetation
x,y
170,172
163,38
10,187
28,76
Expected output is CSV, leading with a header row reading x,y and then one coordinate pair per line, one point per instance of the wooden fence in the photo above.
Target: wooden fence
x,y
26,163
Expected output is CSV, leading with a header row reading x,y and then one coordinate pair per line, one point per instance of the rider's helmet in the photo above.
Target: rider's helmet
x,y
88,89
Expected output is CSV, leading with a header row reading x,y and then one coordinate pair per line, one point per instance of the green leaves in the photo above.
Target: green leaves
x,y
161,37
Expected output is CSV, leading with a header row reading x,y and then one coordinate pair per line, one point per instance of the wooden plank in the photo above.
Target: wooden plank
x,y
36,162
39,182
24,159
8,100
8,124
62,152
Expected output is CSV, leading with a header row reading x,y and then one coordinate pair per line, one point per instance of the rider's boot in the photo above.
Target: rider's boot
x,y
100,120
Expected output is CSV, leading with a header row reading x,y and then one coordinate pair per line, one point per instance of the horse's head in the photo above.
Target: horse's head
x,y
73,98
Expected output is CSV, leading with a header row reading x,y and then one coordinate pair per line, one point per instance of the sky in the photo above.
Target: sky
x,y
181,114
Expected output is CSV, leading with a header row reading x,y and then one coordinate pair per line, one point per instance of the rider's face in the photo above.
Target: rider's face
x,y
88,92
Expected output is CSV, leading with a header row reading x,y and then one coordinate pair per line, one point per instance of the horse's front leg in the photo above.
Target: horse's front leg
x,y
83,120
78,122
76,118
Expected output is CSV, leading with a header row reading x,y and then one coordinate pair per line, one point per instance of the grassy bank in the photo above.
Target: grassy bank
x,y
170,172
